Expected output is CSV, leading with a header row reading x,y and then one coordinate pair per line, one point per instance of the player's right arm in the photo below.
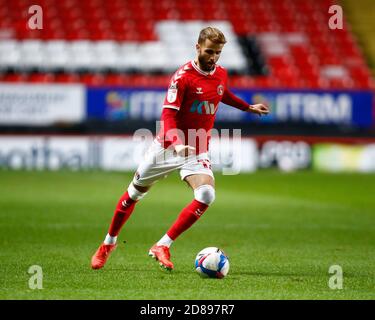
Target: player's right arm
x,y
171,106
172,134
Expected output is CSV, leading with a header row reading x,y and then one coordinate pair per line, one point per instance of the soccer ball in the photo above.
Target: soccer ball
x,y
212,262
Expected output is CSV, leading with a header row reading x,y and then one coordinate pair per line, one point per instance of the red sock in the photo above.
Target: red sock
x,y
124,209
186,219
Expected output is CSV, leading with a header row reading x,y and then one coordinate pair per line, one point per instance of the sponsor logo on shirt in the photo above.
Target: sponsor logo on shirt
x,y
203,107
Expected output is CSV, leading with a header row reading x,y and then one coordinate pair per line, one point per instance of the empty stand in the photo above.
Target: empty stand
x,y
274,43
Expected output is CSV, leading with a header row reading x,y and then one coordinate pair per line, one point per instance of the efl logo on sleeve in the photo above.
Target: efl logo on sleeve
x,y
172,93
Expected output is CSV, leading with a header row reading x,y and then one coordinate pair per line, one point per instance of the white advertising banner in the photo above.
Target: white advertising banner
x,y
233,156
284,154
341,157
18,153
122,153
230,156
31,104
48,153
73,153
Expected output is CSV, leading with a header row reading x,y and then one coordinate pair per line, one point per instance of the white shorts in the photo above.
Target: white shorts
x,y
160,162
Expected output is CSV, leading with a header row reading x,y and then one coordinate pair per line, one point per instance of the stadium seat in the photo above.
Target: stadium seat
x,y
92,79
41,77
67,78
14,77
158,36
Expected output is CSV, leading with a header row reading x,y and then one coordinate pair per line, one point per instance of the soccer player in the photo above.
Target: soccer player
x,y
194,93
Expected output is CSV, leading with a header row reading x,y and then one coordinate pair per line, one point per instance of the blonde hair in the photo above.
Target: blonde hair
x,y
213,34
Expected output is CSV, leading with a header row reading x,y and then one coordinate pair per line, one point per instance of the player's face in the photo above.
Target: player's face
x,y
208,54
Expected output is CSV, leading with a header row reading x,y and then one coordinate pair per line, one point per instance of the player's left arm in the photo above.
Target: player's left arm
x,y
232,100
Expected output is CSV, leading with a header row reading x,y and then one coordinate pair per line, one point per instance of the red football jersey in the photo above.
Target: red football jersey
x,y
195,94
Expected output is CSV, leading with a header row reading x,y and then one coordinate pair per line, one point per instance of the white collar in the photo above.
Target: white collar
x,y
201,71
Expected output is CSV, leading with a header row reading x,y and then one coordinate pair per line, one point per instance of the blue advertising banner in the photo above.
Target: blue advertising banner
x,y
349,108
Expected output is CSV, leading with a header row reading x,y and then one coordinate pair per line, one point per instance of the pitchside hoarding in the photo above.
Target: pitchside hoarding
x,y
124,153
41,105
48,153
344,157
346,108
117,153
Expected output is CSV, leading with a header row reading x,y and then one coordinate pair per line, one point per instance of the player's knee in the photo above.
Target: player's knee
x,y
135,194
205,194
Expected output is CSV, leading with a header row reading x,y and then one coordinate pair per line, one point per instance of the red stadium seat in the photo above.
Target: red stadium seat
x,y
14,77
266,82
241,82
41,77
115,79
92,79
67,78
345,83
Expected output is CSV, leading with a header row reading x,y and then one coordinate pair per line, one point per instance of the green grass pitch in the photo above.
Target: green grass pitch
x,y
282,233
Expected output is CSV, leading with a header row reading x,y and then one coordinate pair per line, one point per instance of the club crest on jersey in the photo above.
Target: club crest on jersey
x,y
172,92
203,107
220,90
199,91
